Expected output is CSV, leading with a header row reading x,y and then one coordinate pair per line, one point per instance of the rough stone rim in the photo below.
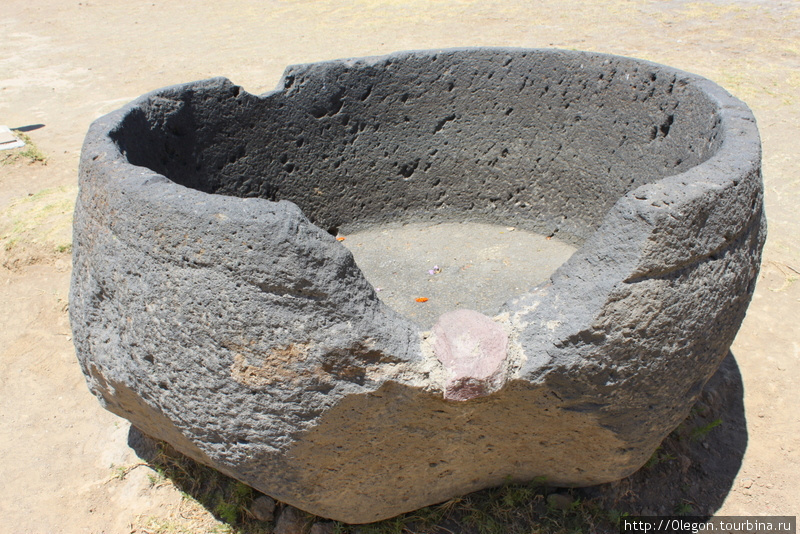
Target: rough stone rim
x,y
735,156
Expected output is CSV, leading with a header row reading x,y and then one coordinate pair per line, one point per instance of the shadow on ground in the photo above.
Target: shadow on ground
x,y
691,473
695,467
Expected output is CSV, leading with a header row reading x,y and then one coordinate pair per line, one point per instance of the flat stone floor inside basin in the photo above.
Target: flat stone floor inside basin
x,y
453,265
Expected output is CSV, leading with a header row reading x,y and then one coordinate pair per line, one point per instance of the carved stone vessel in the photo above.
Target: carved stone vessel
x,y
213,308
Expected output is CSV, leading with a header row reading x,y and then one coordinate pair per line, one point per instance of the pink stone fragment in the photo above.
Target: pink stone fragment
x,y
473,350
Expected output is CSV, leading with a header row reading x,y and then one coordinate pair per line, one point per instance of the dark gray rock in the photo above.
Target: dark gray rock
x,y
263,508
290,521
212,307
325,527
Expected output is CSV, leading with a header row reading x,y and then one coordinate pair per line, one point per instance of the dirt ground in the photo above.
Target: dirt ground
x,y
63,63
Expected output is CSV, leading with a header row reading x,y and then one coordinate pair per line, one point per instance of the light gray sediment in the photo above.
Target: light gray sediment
x,y
453,265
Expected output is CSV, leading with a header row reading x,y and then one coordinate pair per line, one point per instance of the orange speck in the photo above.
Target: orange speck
x,y
549,237
422,299
340,238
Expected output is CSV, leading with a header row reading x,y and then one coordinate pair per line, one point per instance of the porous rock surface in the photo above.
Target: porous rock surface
x,y
213,308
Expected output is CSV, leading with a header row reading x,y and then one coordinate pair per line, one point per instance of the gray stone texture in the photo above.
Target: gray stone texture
x,y
213,308
290,521
263,508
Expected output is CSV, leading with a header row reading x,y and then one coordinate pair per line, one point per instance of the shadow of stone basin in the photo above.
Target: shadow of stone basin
x,y
213,307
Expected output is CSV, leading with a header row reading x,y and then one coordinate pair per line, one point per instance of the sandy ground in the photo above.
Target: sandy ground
x,y
65,63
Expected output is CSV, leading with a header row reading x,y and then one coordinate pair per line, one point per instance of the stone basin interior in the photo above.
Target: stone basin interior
x,y
541,143
454,266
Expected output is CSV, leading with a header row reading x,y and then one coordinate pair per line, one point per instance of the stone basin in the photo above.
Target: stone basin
x,y
214,308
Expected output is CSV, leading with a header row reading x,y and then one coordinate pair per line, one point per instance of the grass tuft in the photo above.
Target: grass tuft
x,y
226,498
702,431
30,153
658,457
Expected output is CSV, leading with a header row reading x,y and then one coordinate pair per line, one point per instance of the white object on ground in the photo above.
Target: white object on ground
x,y
7,139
